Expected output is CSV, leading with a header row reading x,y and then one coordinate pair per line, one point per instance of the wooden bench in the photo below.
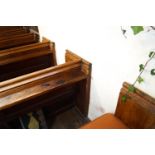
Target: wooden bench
x,y
138,112
9,28
54,89
4,35
26,59
17,36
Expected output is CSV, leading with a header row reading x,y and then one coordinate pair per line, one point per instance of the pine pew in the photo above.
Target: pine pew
x,y
54,90
26,59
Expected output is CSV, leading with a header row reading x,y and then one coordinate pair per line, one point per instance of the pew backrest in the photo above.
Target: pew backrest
x,y
138,112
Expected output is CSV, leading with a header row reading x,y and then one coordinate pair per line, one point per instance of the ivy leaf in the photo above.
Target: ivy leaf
x,y
151,54
137,29
131,89
152,71
140,79
124,98
141,67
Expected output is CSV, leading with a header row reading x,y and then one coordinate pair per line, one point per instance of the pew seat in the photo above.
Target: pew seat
x,y
106,121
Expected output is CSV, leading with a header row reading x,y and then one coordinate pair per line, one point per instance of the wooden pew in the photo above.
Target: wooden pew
x,y
17,36
54,89
138,112
26,59
9,28
3,34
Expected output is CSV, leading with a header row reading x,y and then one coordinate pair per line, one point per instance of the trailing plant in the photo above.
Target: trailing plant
x,y
139,79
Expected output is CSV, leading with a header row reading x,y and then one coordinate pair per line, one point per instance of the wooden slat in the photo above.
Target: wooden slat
x,y
25,52
19,41
26,59
27,89
32,77
11,33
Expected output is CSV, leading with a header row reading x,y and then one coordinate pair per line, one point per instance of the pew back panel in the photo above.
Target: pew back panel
x,y
138,111
13,36
26,59
53,89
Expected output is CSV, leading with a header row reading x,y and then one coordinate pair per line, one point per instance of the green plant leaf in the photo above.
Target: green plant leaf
x,y
131,89
152,71
137,29
141,67
151,54
124,98
140,79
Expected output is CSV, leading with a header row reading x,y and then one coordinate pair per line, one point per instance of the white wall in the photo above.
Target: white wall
x,y
114,58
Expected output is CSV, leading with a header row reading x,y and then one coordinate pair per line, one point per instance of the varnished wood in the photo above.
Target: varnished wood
x,y
17,36
3,34
47,89
84,86
18,41
26,59
139,110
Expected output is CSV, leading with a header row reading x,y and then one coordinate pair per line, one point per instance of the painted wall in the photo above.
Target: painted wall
x,y
114,58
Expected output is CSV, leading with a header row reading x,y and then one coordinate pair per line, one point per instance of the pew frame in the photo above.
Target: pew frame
x,y
58,80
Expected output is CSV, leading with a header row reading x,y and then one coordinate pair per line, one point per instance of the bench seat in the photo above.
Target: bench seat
x,y
106,121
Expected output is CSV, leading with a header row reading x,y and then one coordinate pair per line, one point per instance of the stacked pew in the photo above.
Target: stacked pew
x,y
31,81
26,59
16,36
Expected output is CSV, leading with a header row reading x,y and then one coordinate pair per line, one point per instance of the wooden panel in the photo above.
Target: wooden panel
x,y
13,32
84,86
138,111
13,36
18,41
26,59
